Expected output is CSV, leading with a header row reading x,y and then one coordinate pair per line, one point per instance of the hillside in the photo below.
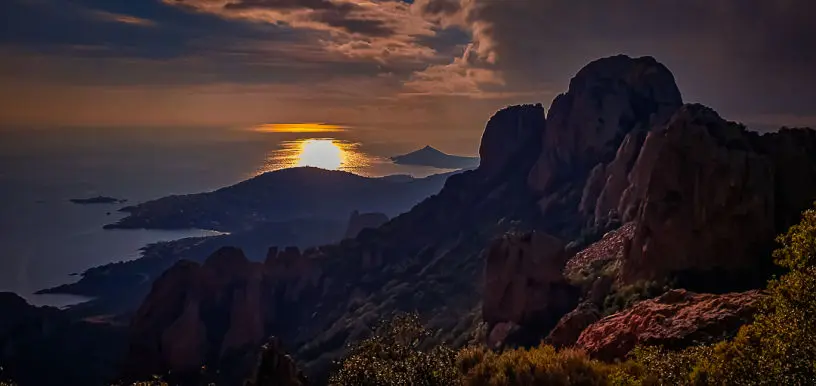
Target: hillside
x,y
282,195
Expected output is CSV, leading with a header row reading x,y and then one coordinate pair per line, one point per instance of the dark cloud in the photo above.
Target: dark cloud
x,y
741,56
439,7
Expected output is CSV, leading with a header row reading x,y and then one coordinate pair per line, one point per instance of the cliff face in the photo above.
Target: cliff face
x,y
525,287
217,314
703,200
700,198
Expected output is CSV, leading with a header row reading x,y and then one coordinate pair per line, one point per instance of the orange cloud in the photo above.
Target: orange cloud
x,y
299,128
122,18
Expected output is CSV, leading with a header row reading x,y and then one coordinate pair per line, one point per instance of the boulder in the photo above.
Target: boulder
x,y
570,327
675,320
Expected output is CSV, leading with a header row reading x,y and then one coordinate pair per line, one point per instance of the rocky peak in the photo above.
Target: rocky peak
x,y
508,132
607,99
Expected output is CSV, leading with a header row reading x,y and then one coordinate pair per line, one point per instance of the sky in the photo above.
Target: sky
x,y
432,69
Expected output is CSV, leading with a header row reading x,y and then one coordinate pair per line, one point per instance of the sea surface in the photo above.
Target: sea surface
x,y
45,238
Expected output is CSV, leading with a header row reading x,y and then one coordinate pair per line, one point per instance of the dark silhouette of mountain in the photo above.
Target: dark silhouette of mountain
x,y
45,346
428,156
280,196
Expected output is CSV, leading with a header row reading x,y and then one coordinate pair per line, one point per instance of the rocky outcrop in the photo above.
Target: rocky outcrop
x,y
524,284
674,320
571,325
707,202
359,221
508,132
207,315
606,100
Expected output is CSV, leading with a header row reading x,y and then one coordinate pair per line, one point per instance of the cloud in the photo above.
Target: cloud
x,y
121,18
299,128
738,55
462,77
384,31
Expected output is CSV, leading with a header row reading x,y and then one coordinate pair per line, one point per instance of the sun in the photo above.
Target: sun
x,y
320,153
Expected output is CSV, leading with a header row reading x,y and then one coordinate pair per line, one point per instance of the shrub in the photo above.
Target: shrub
x,y
394,355
543,365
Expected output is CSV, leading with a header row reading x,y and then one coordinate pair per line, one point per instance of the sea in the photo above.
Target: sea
x,y
46,240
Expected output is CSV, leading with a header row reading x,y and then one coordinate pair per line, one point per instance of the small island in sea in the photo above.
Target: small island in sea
x,y
98,200
428,156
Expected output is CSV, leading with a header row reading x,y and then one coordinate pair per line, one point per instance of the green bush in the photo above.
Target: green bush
x,y
624,297
394,355
543,365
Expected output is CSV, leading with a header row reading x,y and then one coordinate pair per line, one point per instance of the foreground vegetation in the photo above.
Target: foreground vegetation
x,y
778,348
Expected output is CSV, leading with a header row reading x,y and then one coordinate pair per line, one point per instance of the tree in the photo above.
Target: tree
x,y
393,355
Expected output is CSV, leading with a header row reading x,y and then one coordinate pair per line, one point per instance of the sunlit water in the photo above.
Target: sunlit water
x,y
44,238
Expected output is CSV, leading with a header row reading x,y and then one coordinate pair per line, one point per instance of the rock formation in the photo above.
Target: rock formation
x,y
706,202
606,100
571,325
524,284
674,320
197,315
507,133
359,221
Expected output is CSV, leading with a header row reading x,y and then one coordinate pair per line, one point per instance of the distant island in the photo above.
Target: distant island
x,y
98,200
428,156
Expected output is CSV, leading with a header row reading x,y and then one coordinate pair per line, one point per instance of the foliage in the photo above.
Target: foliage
x,y
626,296
394,355
543,365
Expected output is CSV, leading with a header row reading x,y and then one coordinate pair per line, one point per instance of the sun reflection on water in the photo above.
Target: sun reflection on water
x,y
324,153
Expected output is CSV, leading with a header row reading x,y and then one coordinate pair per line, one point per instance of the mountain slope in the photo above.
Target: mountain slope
x,y
280,196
